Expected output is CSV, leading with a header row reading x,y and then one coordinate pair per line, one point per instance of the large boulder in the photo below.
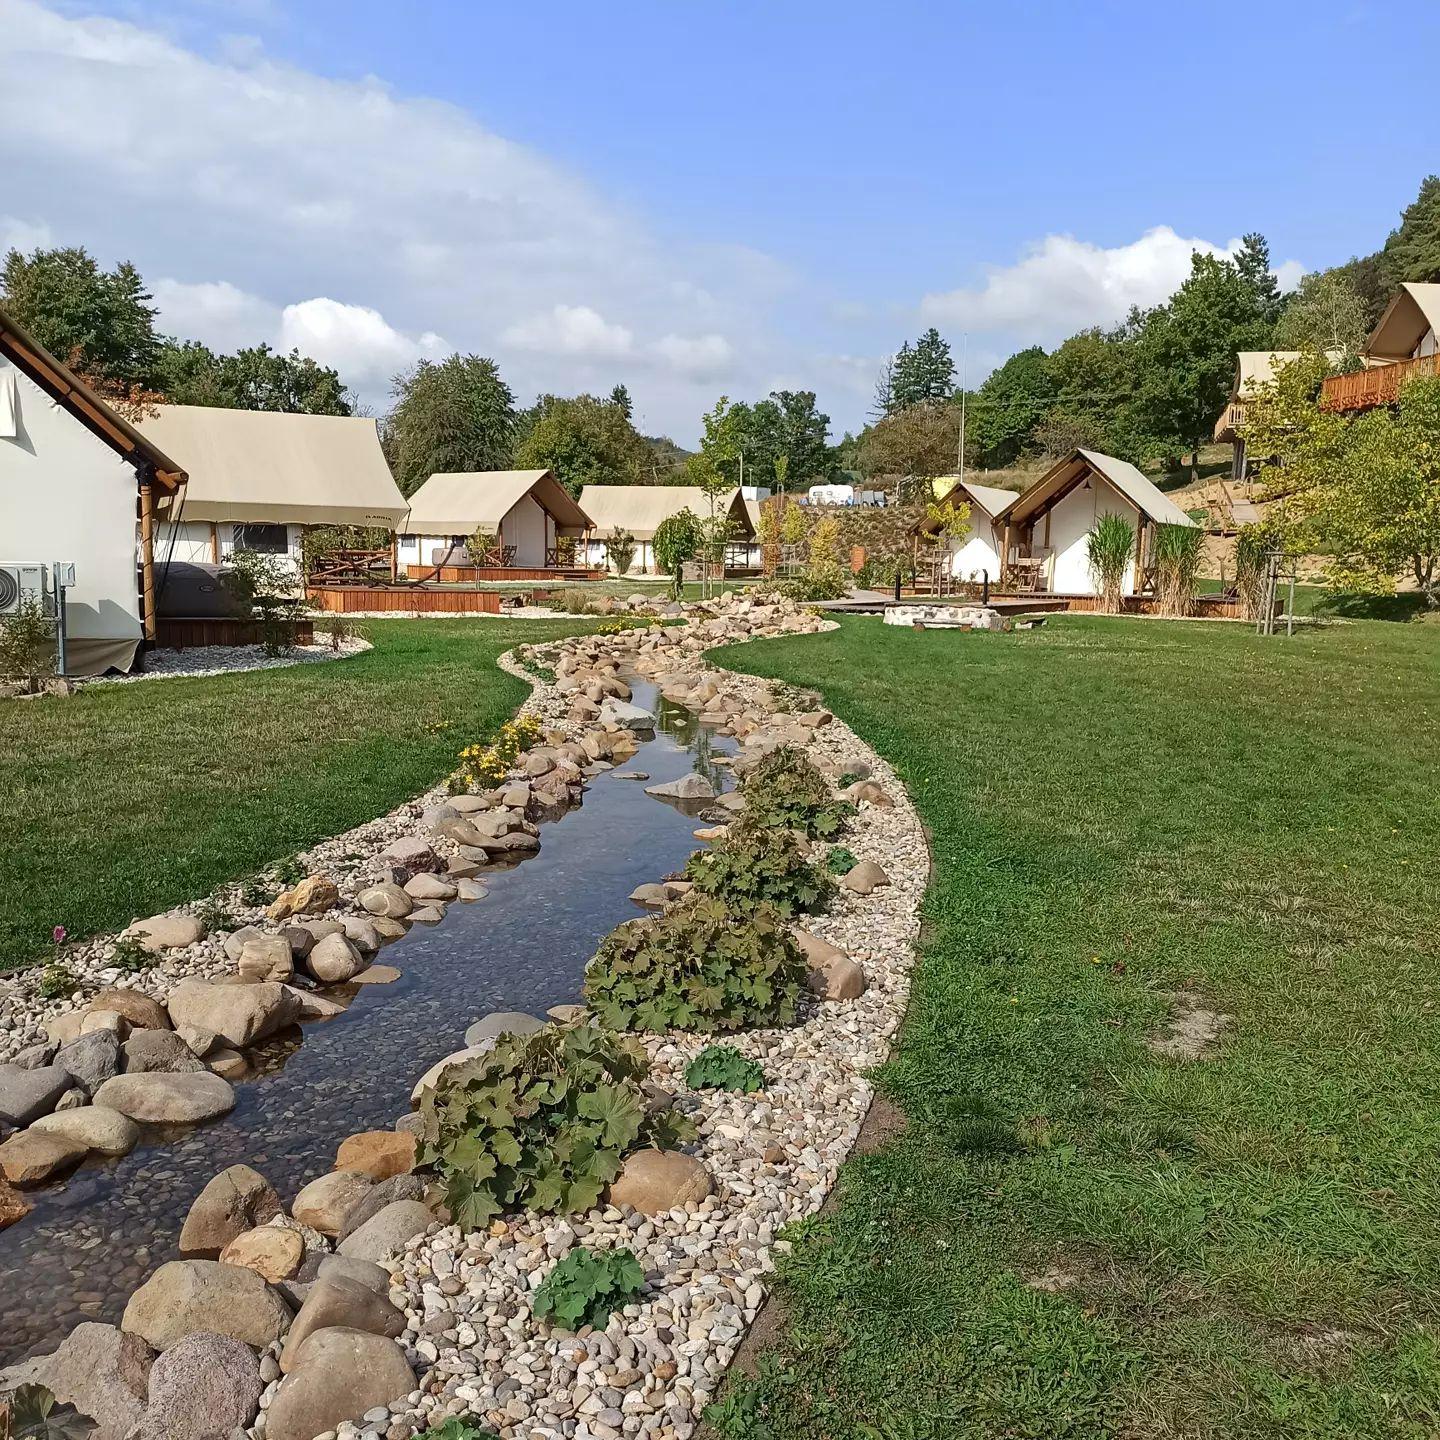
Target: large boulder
x,y
13,1205
168,1099
266,957
430,887
326,1203
337,1299
377,1153
388,1232
687,787
91,1059
374,1200
27,1094
334,960
162,1052
338,1375
184,1297
98,1128
238,1014
365,1272
833,975
432,1076
167,932
653,1181
861,879
501,1022
102,1372
626,715
410,851
387,899
205,1387
141,1011
274,1252
236,1200
312,896
33,1157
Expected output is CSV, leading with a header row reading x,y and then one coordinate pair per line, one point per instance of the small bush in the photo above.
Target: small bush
x,y
57,980
131,955
701,965
840,860
337,631
785,791
585,1287
752,867
487,765
456,1429
723,1067
27,646
543,1122
213,916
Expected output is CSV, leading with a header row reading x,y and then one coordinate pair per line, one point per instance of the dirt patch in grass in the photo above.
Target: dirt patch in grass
x,y
1192,1032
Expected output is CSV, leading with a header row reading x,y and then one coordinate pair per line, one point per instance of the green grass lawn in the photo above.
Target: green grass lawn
x,y
126,799
1247,1245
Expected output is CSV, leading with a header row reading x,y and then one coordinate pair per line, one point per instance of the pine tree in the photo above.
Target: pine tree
x,y
924,372
1252,260
1413,250
620,397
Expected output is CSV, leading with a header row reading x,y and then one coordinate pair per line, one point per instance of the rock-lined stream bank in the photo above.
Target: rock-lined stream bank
x,y
92,1239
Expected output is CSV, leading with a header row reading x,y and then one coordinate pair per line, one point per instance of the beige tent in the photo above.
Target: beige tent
x,y
1409,326
528,512
260,467
640,508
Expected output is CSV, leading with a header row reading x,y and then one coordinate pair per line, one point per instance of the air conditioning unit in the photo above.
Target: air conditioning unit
x,y
22,581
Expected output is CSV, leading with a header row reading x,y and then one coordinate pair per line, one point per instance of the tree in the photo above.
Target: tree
x,y
620,398
620,550
677,539
1185,355
1412,250
1326,314
1009,405
1366,488
884,400
100,322
923,372
918,443
584,440
1252,260
257,378
449,416
1063,431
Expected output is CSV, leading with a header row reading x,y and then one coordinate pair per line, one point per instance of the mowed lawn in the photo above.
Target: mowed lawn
x,y
1073,1236
125,799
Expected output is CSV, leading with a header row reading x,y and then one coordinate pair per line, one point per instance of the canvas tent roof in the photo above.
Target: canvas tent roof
x,y
462,502
265,467
994,501
1413,311
1141,492
26,353
640,508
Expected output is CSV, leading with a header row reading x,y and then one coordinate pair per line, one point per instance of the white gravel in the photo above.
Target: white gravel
x,y
227,659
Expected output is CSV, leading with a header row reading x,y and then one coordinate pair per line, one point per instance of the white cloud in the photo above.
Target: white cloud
x,y
215,311
702,357
1062,284
356,340
23,235
571,330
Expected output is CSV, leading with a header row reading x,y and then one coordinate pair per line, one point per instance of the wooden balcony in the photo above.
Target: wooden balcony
x,y
1367,389
1231,421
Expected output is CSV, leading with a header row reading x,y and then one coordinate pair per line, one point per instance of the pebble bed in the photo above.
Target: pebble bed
x,y
227,659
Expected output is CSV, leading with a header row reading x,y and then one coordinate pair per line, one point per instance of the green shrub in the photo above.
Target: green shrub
x,y
585,1287
542,1122
32,1414
27,646
456,1429
840,860
131,955
723,1067
785,791
57,980
751,867
701,965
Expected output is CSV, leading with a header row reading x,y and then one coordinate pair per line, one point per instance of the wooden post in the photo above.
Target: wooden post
x,y
1005,554
1140,554
214,543
394,556
147,558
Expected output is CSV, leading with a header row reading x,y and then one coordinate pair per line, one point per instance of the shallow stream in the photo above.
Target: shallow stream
x,y
92,1240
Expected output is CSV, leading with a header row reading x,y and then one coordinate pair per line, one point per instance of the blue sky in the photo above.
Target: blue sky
x,y
697,198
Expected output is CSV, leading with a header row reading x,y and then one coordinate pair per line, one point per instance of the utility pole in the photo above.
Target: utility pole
x,y
964,356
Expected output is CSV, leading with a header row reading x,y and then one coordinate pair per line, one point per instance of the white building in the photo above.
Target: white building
x,y
528,514
975,555
258,478
640,510
76,479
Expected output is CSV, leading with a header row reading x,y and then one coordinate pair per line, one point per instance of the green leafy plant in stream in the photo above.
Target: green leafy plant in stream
x,y
752,867
701,965
542,1122
586,1286
785,791
840,859
723,1067
33,1414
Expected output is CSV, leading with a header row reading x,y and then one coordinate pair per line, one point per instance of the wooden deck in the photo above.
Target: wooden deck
x,y
472,574
403,599
1369,389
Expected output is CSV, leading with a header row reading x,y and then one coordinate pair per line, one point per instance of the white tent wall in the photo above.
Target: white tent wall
x,y
1070,525
526,527
977,552
194,542
65,495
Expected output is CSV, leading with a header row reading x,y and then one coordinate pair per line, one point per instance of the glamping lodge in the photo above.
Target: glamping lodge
x,y
1043,533
77,483
640,509
259,479
1253,369
1402,345
536,530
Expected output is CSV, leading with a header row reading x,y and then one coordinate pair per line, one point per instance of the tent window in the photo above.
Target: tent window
x,y
263,539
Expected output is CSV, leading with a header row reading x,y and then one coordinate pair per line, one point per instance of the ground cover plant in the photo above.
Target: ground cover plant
x,y
541,1122
786,791
752,867
105,823
1067,1234
700,965
723,1067
586,1286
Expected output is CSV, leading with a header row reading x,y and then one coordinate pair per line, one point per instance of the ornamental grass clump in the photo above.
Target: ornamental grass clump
x,y
1176,557
1110,547
542,1122
785,791
586,1286
753,866
700,965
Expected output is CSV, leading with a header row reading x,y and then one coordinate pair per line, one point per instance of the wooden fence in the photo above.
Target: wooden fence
x,y
405,599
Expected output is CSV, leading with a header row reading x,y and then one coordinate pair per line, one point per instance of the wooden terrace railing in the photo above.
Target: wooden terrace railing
x,y
1367,389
